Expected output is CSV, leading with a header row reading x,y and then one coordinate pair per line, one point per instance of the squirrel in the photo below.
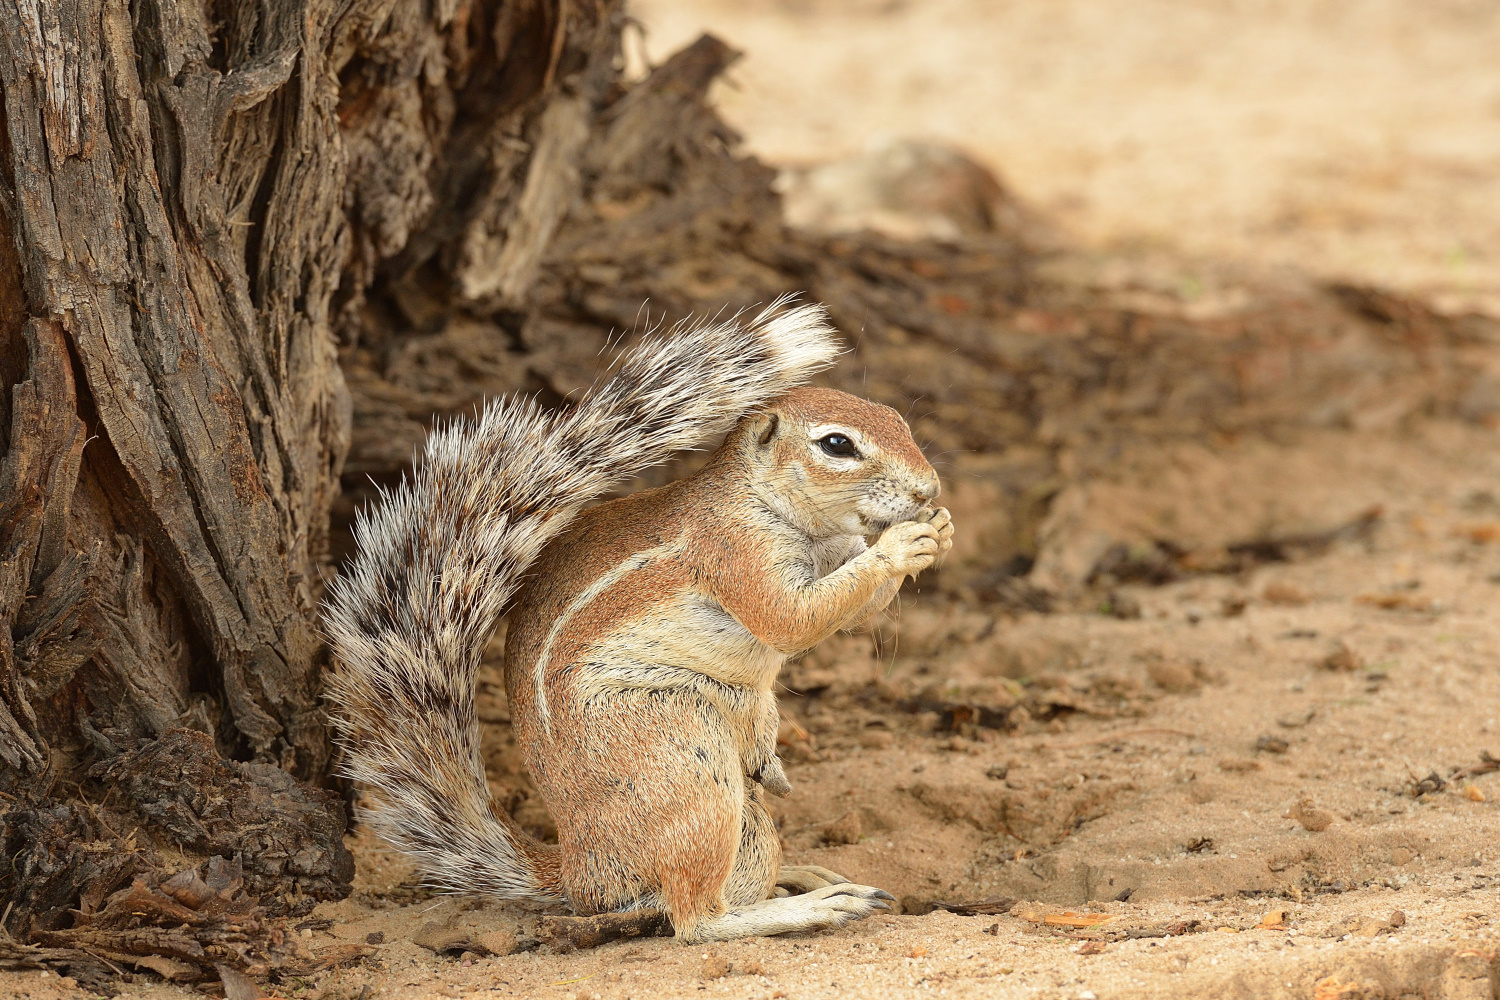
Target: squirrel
x,y
645,633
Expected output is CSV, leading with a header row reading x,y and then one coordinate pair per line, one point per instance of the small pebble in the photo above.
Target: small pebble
x,y
1285,594
1271,744
498,943
844,830
1173,675
1343,660
1312,818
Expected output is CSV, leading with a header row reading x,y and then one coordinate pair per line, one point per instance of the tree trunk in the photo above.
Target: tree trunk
x,y
176,211
187,189
194,199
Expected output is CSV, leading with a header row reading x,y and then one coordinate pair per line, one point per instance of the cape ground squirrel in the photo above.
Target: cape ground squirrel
x,y
646,639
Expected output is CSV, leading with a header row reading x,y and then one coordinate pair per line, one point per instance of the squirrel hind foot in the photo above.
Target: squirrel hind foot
x,y
822,909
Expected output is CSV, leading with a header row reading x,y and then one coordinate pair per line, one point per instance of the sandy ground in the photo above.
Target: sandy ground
x,y
1245,752
1349,138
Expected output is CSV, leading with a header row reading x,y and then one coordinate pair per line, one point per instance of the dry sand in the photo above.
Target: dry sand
x,y
1178,744
1349,138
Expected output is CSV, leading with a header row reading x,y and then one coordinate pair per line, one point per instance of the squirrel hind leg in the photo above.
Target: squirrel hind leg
x,y
758,860
691,896
827,899
655,821
674,825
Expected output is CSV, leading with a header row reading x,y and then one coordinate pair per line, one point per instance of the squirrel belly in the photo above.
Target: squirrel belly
x,y
645,642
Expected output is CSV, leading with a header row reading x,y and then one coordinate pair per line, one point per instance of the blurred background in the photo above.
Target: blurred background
x,y
1354,139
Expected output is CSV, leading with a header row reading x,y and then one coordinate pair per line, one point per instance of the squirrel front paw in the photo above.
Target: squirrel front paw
x,y
912,546
773,779
939,518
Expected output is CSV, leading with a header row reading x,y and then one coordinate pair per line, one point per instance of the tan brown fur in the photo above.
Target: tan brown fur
x,y
654,712
646,642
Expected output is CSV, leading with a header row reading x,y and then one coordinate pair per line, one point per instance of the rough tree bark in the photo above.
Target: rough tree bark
x,y
193,200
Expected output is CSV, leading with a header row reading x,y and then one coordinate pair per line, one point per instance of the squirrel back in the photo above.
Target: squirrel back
x,y
440,558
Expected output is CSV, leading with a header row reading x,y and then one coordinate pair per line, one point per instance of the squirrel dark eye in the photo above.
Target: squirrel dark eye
x,y
838,445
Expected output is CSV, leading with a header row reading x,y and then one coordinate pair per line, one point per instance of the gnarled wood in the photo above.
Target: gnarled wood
x,y
194,200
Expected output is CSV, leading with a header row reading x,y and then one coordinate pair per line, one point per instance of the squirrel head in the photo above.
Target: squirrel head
x,y
835,464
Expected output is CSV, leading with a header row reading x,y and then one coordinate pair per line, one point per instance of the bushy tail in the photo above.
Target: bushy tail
x,y
440,558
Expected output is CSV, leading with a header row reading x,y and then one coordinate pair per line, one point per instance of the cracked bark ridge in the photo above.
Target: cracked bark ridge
x,y
39,467
171,213
196,199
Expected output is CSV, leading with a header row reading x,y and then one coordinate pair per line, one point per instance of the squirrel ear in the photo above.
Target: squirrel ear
x,y
768,422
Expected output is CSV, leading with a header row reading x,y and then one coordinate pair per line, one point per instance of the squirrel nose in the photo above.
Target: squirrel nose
x,y
928,491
